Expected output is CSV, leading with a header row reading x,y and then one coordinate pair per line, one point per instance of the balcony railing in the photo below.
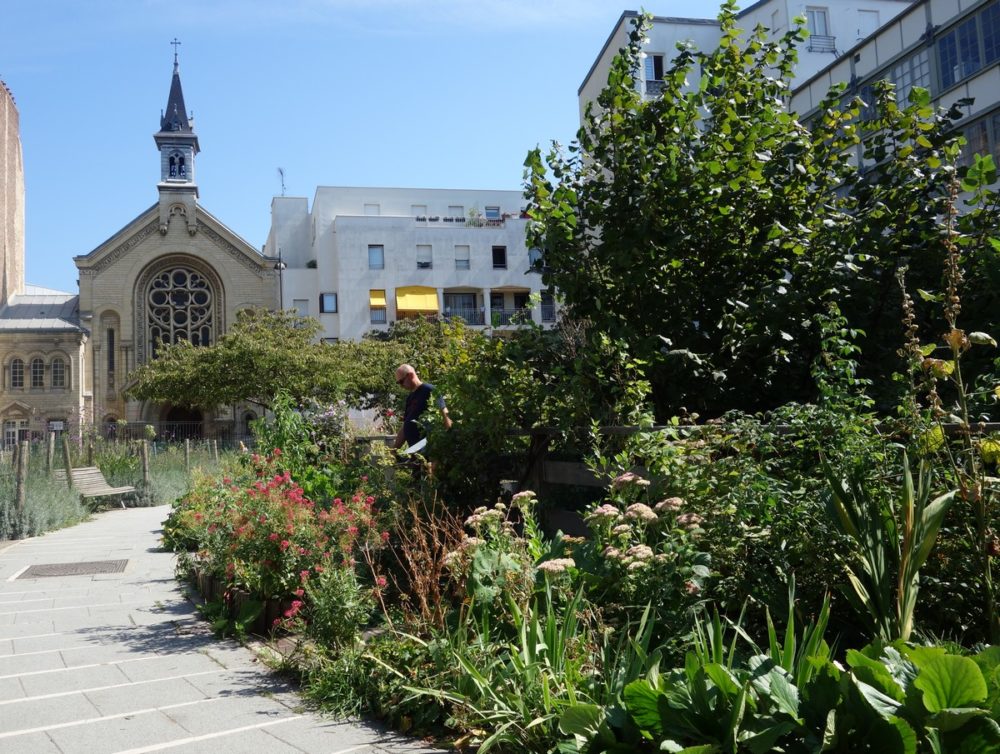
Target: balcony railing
x,y
462,222
503,317
469,316
548,313
822,43
654,87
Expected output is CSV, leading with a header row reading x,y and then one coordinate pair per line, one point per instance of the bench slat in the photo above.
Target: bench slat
x,y
90,482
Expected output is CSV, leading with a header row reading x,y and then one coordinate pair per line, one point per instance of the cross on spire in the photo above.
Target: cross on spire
x,y
176,44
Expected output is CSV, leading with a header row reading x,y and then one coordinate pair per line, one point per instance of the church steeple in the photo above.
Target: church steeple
x,y
178,146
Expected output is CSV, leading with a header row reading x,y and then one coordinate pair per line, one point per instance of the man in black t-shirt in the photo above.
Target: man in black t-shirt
x,y
412,430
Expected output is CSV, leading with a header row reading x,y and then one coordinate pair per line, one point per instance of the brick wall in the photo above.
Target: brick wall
x,y
11,199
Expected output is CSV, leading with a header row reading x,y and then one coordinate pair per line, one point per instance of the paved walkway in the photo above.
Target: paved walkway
x,y
120,662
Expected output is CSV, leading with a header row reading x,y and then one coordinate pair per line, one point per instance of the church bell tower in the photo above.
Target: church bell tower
x,y
178,146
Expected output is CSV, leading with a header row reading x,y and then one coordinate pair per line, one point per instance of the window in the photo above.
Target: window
x,y
914,71
496,301
653,67
499,257
180,306
376,305
58,373
534,260
461,257
17,373
492,213
110,340
996,138
328,303
14,431
463,305
373,210
456,210
977,141
376,257
37,373
818,21
425,259
548,307
990,20
457,301
330,341
521,300
958,52
300,306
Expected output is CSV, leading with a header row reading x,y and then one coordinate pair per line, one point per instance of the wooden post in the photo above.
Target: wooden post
x,y
90,453
187,455
144,455
14,452
215,450
68,463
50,452
21,478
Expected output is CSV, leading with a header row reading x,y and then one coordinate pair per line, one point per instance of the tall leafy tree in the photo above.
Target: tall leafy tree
x,y
709,228
262,354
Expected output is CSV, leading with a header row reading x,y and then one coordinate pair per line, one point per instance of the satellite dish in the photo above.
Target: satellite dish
x,y
416,447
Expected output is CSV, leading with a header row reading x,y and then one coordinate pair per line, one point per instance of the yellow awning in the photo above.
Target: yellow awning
x,y
376,297
416,298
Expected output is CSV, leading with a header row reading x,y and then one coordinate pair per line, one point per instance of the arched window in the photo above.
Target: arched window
x,y
181,167
181,306
173,166
58,373
37,373
17,373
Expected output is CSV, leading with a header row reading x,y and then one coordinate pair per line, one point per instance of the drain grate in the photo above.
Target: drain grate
x,y
74,569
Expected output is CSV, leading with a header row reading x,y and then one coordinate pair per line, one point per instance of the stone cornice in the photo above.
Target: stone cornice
x,y
122,249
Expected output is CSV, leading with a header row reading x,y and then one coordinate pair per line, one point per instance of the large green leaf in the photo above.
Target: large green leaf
x,y
951,682
642,702
989,664
581,719
981,736
885,706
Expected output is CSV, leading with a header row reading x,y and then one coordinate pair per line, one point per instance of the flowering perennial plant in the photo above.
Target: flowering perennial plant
x,y
263,535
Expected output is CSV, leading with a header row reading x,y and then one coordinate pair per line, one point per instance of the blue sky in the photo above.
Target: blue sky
x,y
435,93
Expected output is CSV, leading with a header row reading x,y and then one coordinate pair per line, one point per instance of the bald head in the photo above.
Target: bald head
x,y
406,376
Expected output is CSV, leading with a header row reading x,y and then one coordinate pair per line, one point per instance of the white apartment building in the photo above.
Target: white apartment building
x,y
949,47
835,27
363,258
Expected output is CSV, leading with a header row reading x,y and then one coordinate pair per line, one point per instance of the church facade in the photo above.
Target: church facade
x,y
173,273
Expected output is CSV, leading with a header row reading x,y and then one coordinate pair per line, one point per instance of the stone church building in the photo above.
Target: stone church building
x,y
174,272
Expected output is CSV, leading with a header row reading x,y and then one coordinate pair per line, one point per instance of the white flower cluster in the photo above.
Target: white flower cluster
x,y
640,512
556,565
605,511
670,505
628,478
484,516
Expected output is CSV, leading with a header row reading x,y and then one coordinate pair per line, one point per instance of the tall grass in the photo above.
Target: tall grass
x,y
50,504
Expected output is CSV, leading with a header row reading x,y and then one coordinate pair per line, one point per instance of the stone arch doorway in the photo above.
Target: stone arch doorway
x,y
181,423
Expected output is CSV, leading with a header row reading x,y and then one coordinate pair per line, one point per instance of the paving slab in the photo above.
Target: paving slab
x,y
121,662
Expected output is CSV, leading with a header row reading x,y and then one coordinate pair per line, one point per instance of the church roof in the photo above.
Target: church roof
x,y
175,118
41,309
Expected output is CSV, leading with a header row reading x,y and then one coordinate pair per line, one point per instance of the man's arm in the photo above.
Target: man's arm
x,y
398,442
447,419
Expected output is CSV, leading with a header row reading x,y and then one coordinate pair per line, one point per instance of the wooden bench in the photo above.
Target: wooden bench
x,y
90,483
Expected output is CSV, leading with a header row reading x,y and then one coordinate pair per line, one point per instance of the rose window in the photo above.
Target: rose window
x,y
181,307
